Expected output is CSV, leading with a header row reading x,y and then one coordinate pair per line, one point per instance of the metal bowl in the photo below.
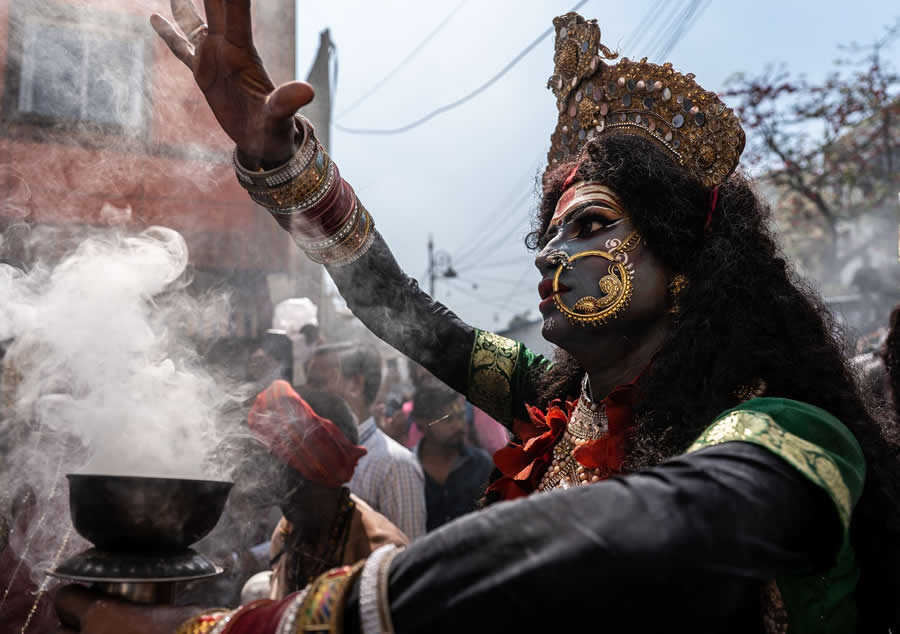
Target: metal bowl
x,y
134,514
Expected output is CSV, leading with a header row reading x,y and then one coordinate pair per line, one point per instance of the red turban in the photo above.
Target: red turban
x,y
292,431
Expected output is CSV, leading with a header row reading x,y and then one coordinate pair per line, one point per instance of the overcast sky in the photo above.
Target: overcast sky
x,y
467,176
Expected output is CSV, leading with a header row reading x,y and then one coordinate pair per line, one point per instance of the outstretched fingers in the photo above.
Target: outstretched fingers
x,y
179,46
238,23
215,15
186,16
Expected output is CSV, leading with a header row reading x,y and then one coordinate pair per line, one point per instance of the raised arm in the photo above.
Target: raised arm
x,y
284,168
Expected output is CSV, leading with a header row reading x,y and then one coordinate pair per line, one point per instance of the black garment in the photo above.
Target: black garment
x,y
684,546
392,306
461,491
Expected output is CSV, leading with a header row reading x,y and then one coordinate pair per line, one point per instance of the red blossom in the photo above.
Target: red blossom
x,y
524,465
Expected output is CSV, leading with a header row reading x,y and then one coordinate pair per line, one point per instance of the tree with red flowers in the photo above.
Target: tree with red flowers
x,y
829,149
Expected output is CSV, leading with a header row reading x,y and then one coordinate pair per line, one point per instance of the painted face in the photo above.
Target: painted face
x,y
609,280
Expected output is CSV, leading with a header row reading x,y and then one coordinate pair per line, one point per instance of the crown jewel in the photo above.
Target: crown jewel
x,y
637,98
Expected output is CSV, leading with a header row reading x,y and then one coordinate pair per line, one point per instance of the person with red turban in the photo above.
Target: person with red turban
x,y
304,452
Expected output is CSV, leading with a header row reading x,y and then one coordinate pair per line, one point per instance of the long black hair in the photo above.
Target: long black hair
x,y
746,323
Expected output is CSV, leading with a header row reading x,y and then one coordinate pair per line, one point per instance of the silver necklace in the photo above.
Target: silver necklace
x,y
588,422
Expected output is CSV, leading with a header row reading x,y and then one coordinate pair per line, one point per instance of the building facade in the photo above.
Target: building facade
x,y
101,126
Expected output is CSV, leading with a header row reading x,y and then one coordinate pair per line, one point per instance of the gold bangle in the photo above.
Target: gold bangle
x,y
201,623
303,191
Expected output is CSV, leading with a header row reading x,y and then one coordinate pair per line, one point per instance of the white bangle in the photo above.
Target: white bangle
x,y
288,622
374,608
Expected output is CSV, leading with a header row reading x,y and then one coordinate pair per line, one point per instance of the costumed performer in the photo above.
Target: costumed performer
x,y
303,457
736,479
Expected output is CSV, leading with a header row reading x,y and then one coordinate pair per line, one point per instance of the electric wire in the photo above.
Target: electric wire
x,y
519,284
465,98
493,280
689,17
669,17
490,265
643,27
681,14
480,232
484,300
381,82
505,228
512,234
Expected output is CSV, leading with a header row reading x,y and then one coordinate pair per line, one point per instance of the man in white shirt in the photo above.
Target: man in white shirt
x,y
388,477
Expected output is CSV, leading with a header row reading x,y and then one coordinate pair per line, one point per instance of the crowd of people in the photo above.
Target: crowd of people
x,y
396,475
700,454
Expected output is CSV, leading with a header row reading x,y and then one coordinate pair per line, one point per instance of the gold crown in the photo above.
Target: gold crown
x,y
640,99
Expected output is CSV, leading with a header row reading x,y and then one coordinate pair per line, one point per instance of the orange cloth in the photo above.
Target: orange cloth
x,y
292,431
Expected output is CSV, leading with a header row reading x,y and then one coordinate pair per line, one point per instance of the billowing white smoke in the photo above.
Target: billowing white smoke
x,y
101,354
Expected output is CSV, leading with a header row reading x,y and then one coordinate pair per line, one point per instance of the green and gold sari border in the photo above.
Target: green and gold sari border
x,y
808,458
492,367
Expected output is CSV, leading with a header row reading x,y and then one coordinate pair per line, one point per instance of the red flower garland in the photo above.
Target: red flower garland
x,y
523,466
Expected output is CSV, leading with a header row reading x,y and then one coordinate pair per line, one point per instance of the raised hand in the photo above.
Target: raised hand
x,y
227,68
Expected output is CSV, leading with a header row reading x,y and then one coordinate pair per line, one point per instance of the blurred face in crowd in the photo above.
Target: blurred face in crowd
x,y
324,373
262,367
392,419
449,430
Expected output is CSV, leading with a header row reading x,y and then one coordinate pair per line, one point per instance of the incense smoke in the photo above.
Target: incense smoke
x,y
102,354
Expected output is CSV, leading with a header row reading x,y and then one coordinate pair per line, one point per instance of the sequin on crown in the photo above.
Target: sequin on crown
x,y
640,99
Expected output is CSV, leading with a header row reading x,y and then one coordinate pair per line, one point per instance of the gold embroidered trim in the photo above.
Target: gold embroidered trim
x,y
810,459
491,369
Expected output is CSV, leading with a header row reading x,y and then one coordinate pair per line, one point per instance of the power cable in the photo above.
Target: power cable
x,y
484,300
509,234
490,265
463,99
521,281
689,17
381,82
643,26
504,228
669,17
482,280
665,43
508,200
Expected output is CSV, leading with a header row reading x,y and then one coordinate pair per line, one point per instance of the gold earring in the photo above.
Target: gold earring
x,y
676,286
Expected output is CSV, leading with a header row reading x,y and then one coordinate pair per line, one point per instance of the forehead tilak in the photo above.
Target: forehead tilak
x,y
582,192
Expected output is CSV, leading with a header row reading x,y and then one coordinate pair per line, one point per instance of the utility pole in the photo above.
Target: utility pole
x,y
439,265
430,265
